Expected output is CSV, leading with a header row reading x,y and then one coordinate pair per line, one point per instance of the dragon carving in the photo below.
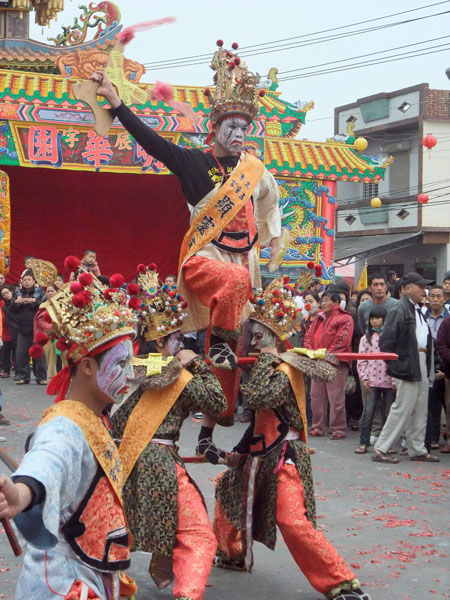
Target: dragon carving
x,y
101,16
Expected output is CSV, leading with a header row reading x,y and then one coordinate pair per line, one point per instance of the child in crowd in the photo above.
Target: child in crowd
x,y
88,263
377,384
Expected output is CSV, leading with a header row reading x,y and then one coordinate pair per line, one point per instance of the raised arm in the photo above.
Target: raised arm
x,y
175,158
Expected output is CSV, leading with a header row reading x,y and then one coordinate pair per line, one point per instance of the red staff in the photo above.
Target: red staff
x,y
12,465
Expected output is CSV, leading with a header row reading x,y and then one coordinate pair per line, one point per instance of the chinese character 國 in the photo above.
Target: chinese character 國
x,y
44,146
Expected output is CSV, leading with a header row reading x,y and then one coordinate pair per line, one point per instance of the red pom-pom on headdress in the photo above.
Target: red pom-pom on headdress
x,y
262,93
79,300
318,270
71,263
75,287
134,303
133,289
86,278
162,91
310,265
47,317
62,345
141,268
286,279
40,338
207,92
237,61
117,280
87,296
219,43
152,267
36,352
235,45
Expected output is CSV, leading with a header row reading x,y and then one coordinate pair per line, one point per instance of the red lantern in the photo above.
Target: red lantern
x,y
423,198
429,141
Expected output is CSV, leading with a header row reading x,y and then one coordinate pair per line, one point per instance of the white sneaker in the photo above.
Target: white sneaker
x,y
2,439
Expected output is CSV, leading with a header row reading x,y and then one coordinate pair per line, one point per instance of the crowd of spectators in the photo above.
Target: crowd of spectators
x,y
397,405
389,402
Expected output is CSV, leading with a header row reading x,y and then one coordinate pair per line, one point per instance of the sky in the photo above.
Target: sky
x,y
200,23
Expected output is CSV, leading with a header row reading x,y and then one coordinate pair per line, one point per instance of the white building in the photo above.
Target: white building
x,y
402,234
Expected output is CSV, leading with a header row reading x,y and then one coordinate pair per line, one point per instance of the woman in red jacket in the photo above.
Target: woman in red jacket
x,y
331,329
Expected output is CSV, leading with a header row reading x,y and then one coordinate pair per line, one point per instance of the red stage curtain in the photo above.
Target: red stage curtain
x,y
127,219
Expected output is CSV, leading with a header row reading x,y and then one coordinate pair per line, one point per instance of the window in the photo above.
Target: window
x,y
370,190
399,175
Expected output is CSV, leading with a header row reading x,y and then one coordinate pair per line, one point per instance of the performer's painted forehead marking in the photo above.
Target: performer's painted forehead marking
x,y
115,371
232,132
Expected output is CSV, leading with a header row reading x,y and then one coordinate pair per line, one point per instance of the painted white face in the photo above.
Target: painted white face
x,y
262,336
175,343
231,134
116,371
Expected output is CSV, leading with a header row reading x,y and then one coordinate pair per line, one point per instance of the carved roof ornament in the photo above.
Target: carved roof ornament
x,y
45,10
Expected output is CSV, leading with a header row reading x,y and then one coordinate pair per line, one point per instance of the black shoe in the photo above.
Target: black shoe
x,y
207,448
222,356
352,595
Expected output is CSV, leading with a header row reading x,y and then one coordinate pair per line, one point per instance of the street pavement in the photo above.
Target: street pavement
x,y
390,522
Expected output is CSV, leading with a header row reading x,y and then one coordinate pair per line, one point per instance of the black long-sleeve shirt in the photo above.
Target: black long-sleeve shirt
x,y
197,171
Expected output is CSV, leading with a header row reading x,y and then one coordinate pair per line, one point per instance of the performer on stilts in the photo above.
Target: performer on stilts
x,y
233,202
165,510
271,483
66,497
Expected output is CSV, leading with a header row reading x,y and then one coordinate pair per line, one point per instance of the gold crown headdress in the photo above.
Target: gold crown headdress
x,y
276,308
86,314
306,277
236,87
162,307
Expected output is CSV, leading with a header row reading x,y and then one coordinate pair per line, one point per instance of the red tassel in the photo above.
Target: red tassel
x,y
59,385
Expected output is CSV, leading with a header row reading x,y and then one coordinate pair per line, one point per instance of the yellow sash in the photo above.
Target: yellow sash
x,y
222,207
148,414
297,381
96,435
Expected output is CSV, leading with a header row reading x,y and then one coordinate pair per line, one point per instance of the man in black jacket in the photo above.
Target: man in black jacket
x,y
406,333
24,305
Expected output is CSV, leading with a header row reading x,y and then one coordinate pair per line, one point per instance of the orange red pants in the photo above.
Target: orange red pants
x,y
223,286
314,554
195,545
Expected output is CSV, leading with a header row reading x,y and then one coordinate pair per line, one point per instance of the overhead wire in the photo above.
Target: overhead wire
x,y
401,56
427,41
277,45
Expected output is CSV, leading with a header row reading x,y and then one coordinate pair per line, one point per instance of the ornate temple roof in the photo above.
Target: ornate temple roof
x,y
303,158
277,123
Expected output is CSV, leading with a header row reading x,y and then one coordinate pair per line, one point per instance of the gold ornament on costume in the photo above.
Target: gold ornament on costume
x,y
304,281
236,92
153,362
276,308
164,309
44,272
86,313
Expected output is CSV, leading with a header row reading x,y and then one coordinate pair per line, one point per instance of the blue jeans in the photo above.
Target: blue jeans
x,y
384,396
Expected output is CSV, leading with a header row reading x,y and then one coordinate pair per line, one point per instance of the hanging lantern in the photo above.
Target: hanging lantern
x,y
429,141
360,144
375,203
423,198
